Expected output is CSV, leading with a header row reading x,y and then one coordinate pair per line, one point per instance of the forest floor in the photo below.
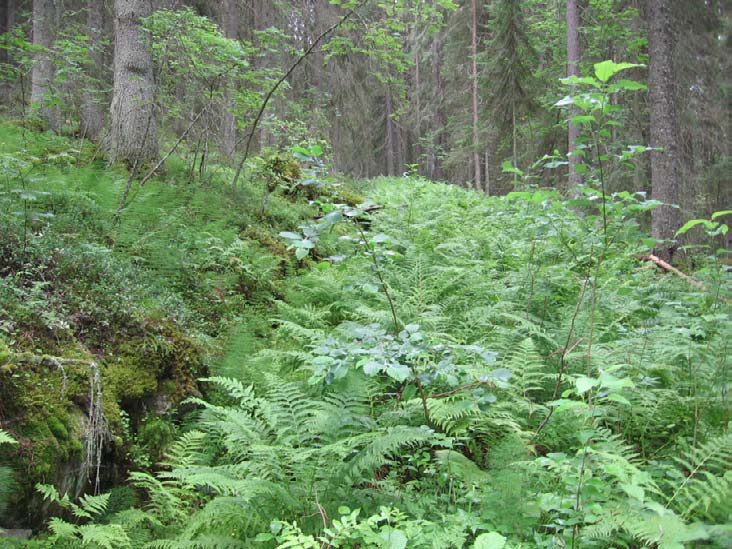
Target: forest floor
x,y
435,367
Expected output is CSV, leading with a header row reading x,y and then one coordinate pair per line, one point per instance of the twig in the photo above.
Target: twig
x,y
563,358
279,82
670,268
154,170
474,385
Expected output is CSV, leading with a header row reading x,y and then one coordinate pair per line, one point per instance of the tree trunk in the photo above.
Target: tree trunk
x,y
92,110
134,132
3,29
440,123
44,17
665,180
5,17
390,138
230,23
573,59
418,110
474,77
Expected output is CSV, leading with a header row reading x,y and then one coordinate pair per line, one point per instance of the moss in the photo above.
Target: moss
x,y
347,196
129,381
58,429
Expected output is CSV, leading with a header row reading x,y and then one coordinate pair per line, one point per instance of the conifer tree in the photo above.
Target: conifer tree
x,y
510,69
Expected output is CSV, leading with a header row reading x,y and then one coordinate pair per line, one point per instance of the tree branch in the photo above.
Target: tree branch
x,y
279,82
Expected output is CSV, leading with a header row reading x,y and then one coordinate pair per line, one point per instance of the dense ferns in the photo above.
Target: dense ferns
x,y
542,388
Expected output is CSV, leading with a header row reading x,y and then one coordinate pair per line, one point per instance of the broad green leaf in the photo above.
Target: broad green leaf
x,y
584,384
717,215
301,253
607,69
290,236
583,119
693,223
629,85
634,491
461,467
573,80
492,540
393,539
399,372
371,368
615,397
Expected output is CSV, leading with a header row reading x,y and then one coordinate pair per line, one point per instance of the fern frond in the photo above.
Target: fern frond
x,y
706,480
5,438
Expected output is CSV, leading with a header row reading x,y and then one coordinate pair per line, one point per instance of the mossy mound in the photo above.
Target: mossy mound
x,y
147,295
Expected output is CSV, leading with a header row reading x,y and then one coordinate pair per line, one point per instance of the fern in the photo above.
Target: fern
x,y
705,479
5,438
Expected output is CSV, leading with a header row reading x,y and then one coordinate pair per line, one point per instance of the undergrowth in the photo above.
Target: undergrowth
x,y
450,370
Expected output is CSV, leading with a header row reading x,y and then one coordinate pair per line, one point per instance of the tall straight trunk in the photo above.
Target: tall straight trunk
x,y
573,59
230,22
436,171
44,19
515,149
474,78
10,8
3,29
92,109
390,135
4,57
418,109
134,132
665,179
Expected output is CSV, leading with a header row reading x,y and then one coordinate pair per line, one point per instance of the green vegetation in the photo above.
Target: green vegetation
x,y
435,368
239,308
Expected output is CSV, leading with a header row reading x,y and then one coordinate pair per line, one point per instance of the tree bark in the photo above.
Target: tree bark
x,y
44,18
390,139
573,59
474,77
92,110
665,179
3,29
230,15
436,171
134,132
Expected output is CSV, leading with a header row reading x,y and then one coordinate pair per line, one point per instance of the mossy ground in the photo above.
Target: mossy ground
x,y
178,284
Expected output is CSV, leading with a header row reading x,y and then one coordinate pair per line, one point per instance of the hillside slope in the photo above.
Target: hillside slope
x,y
438,369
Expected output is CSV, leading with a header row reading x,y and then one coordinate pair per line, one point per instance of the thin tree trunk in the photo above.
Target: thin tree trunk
x,y
513,127
573,59
418,109
134,133
44,18
389,140
487,166
3,29
92,110
436,171
665,179
230,22
474,78
4,56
